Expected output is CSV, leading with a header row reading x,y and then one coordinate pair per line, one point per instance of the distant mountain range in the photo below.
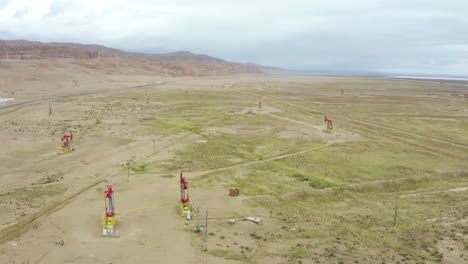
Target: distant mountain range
x,y
181,63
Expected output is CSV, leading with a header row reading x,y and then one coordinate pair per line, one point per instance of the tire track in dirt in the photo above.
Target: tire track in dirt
x,y
22,226
78,94
298,122
457,144
326,144
360,186
200,173
380,184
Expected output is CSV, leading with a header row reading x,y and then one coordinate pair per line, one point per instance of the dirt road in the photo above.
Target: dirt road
x,y
457,144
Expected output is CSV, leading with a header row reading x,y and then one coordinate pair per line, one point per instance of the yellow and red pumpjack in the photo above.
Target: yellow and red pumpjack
x,y
66,146
185,205
110,216
329,125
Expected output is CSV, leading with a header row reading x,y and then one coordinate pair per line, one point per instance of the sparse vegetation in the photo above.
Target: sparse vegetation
x,y
228,254
136,165
333,204
347,189
168,176
50,178
299,251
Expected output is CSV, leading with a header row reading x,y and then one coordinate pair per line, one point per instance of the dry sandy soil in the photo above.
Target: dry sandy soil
x,y
33,176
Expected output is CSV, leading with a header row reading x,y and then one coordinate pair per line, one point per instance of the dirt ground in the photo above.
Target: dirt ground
x,y
30,139
33,175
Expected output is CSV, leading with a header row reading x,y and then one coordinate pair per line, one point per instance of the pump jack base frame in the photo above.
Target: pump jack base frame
x,y
182,210
63,150
108,223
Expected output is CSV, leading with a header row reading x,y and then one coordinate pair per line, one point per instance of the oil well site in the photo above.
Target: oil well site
x,y
109,164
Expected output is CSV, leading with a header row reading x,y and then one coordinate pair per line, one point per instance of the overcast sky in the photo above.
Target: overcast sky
x,y
399,36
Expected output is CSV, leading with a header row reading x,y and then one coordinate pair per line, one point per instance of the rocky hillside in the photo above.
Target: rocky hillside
x,y
100,57
264,69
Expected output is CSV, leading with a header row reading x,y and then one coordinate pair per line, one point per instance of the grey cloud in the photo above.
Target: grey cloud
x,y
412,35
21,12
58,8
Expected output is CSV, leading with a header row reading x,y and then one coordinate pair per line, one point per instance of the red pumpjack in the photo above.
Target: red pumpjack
x,y
110,218
66,146
329,124
185,205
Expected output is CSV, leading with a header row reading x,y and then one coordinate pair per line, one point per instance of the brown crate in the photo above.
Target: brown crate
x,y
234,191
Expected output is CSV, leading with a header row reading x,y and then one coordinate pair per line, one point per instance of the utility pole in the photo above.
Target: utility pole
x,y
198,213
50,110
206,230
128,171
396,211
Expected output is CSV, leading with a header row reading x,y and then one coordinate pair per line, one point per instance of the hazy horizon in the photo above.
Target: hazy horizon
x,y
360,36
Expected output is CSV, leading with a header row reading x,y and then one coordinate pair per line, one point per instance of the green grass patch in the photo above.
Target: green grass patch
x,y
228,254
136,166
299,252
168,176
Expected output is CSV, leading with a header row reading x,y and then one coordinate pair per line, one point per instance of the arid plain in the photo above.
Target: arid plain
x,y
389,185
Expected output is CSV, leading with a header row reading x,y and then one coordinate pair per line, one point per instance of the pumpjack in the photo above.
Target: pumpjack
x,y
185,205
110,216
98,119
66,146
329,125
